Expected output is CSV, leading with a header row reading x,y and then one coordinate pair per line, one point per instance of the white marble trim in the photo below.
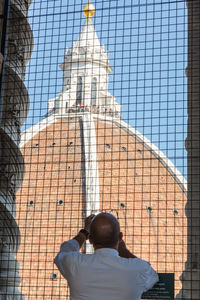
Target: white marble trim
x,y
28,134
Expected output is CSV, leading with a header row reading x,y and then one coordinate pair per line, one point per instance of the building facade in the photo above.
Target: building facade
x,y
16,46
191,274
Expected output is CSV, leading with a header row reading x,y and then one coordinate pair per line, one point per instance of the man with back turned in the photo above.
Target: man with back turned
x,y
112,272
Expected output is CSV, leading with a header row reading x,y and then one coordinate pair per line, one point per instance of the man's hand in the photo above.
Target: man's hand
x,y
88,221
121,246
123,251
80,237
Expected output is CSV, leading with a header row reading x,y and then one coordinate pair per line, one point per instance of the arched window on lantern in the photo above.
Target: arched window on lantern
x,y
94,91
79,90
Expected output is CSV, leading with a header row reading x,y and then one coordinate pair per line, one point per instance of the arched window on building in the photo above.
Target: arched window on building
x,y
67,86
79,90
94,91
66,107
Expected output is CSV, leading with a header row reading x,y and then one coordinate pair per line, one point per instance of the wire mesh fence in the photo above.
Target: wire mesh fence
x,y
103,129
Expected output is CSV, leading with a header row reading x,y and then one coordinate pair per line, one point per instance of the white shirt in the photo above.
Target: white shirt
x,y
103,275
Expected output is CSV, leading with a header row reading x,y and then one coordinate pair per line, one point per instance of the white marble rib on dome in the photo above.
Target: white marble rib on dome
x,y
28,134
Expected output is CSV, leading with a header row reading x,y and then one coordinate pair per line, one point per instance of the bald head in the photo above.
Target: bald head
x,y
105,231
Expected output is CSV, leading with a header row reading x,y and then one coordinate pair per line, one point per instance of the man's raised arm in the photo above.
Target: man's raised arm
x,y
63,259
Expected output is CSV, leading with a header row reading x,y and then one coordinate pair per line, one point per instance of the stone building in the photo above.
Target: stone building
x,y
83,158
16,46
191,275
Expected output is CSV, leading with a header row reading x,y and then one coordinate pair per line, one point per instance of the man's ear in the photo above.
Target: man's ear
x,y
120,236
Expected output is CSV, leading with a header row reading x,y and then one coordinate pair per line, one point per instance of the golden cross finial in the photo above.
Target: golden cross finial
x,y
89,10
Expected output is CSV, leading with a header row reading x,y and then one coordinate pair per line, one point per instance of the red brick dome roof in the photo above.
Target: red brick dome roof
x,y
137,183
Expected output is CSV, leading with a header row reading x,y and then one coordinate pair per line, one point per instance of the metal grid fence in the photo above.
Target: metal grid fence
x,y
95,110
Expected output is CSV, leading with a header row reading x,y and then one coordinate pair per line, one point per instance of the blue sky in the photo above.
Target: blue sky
x,y
147,44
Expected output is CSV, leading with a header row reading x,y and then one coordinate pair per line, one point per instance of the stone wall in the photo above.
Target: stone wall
x,y
1,27
191,275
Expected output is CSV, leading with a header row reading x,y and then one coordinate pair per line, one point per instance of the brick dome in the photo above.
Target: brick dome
x,y
83,158
137,183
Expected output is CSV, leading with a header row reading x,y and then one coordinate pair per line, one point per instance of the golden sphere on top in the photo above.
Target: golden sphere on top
x,y
89,10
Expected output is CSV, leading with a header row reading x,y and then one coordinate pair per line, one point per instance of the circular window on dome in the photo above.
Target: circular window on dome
x,y
175,211
122,205
108,146
124,148
60,202
149,209
69,143
53,276
30,203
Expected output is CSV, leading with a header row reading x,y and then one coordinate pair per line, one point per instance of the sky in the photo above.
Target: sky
x,y
147,44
